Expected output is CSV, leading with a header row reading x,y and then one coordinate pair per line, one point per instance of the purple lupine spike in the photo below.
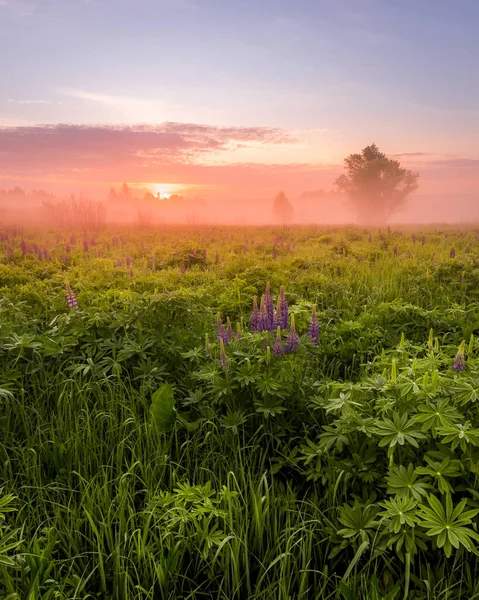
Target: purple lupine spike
x,y
313,329
85,245
229,331
119,263
223,358
128,261
67,248
459,362
269,309
423,240
395,250
452,253
278,349
292,341
283,309
263,316
71,299
255,316
220,329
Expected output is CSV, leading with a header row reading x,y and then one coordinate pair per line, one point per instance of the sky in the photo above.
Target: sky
x,y
236,98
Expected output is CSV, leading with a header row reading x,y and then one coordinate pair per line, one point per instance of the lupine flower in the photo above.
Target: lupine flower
x,y
255,316
128,261
263,313
223,358
67,248
119,263
281,314
423,240
313,329
278,348
220,328
459,361
468,249
85,245
395,250
452,253
292,341
71,300
269,309
229,331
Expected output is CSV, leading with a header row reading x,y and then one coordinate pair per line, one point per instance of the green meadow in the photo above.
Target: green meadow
x,y
157,442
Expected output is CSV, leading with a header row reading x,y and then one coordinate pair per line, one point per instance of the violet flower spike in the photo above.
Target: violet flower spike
x,y
269,309
460,361
223,358
220,329
255,316
313,329
292,341
278,349
71,300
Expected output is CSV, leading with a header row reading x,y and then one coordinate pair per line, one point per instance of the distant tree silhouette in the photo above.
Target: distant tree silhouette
x,y
283,212
377,186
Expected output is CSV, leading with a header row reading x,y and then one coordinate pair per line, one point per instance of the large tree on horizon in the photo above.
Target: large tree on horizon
x,y
283,211
377,186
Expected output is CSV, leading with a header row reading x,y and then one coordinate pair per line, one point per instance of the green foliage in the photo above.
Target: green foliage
x,y
140,467
163,411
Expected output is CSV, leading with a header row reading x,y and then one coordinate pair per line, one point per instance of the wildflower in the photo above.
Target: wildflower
x,y
278,349
85,245
263,320
452,253
128,261
468,249
313,329
67,248
395,250
223,358
220,329
229,331
281,314
459,361
71,300
292,341
119,263
269,309
423,240
255,316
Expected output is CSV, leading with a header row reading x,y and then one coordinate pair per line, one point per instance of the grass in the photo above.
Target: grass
x,y
246,495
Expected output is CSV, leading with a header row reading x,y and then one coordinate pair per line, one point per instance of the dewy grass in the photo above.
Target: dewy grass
x,y
280,475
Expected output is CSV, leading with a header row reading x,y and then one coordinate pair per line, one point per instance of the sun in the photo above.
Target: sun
x,y
163,190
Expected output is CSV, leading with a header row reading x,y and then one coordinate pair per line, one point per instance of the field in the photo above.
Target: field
x,y
149,450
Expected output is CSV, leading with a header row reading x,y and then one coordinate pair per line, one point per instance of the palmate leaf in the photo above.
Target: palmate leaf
x,y
432,416
448,524
404,483
439,471
399,430
163,411
460,435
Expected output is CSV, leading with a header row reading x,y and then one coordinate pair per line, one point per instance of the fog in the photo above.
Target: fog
x,y
126,205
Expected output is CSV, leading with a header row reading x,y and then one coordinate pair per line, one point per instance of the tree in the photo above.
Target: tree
x,y
377,186
283,211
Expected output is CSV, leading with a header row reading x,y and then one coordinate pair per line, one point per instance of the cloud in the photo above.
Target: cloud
x,y
459,163
29,101
412,154
113,152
